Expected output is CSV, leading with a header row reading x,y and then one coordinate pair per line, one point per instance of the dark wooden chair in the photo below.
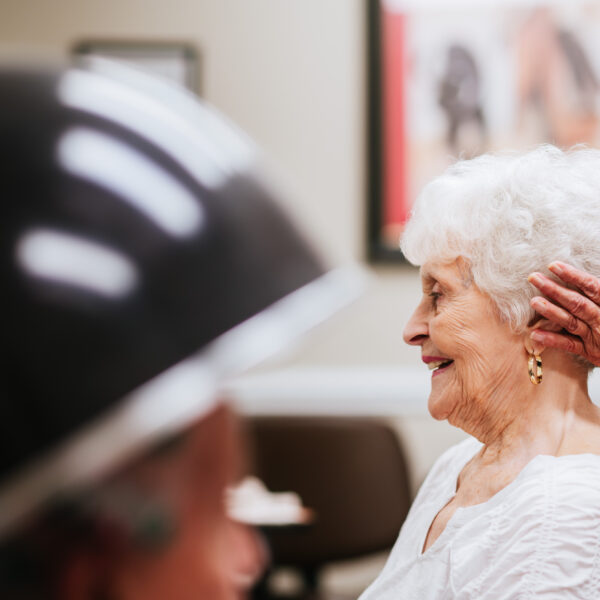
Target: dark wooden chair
x,y
351,471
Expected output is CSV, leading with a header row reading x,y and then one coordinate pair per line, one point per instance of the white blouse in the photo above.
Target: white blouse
x,y
539,537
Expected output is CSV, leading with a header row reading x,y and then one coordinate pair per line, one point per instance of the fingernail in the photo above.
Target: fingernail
x,y
537,336
556,268
535,278
539,302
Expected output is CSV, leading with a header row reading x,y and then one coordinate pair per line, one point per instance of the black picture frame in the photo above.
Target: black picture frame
x,y
377,250
177,61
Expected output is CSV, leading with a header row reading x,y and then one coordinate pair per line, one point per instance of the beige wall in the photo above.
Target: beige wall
x,y
291,73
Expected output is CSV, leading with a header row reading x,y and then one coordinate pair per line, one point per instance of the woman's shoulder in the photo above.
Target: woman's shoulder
x,y
559,497
578,470
561,481
573,479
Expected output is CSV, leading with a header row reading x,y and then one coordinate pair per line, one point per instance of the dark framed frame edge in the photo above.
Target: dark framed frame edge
x,y
189,52
377,251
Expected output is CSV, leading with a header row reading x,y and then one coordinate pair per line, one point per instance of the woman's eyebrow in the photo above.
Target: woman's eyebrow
x,y
427,280
430,278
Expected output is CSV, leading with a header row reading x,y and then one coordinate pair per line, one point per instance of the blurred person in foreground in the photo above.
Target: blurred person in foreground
x,y
142,260
513,511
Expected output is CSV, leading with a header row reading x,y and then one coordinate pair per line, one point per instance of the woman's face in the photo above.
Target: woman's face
x,y
474,357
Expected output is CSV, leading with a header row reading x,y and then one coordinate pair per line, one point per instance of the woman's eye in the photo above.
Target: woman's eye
x,y
434,297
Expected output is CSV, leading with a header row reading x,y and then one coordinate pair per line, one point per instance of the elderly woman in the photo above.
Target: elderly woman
x,y
513,511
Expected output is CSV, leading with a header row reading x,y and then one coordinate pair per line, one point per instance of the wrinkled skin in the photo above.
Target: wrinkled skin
x,y
456,320
576,312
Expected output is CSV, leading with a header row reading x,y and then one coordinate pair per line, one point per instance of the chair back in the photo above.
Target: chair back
x,y
350,471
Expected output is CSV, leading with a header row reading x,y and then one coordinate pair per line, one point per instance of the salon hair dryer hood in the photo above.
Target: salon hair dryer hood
x,y
143,256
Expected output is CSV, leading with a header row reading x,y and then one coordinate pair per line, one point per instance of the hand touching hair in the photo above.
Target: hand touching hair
x,y
576,312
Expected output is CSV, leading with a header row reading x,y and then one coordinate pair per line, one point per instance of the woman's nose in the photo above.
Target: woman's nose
x,y
416,330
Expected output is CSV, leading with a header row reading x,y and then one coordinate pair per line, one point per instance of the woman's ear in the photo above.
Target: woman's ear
x,y
535,347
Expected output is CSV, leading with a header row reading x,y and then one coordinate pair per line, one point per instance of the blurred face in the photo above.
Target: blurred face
x,y
189,549
472,355
209,555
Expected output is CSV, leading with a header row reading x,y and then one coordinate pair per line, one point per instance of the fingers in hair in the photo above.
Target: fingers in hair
x,y
560,341
587,283
574,302
561,317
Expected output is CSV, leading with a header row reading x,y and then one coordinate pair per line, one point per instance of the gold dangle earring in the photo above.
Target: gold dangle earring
x,y
535,368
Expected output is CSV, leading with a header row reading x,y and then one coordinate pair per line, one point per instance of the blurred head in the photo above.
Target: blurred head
x,y
143,258
153,529
477,232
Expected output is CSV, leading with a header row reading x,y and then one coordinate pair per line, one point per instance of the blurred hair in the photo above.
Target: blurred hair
x,y
508,215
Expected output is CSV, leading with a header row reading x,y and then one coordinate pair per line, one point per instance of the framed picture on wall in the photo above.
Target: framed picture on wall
x,y
178,62
452,80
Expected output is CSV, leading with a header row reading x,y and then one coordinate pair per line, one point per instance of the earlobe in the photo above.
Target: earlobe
x,y
534,346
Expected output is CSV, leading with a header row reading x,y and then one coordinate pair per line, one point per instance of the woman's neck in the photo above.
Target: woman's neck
x,y
554,418
525,420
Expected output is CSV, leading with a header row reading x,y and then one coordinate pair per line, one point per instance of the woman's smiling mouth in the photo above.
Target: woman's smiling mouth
x,y
437,364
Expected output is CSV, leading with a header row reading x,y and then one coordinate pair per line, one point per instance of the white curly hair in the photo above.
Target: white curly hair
x,y
509,215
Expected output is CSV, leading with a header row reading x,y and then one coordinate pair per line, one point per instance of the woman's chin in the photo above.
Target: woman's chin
x,y
442,401
439,406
